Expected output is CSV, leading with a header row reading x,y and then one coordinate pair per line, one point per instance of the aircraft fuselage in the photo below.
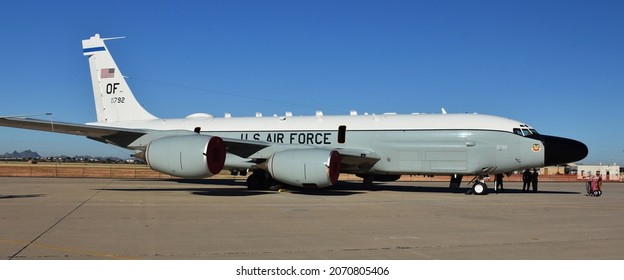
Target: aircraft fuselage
x,y
425,144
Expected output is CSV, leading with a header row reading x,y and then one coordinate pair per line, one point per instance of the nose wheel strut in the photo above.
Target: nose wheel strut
x,y
479,187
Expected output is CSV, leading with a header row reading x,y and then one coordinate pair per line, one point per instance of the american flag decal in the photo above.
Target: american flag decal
x,y
107,73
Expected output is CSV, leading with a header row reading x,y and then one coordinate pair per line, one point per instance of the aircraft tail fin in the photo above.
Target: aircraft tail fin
x,y
114,100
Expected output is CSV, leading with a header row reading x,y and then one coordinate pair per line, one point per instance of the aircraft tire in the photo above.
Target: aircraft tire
x,y
256,181
479,188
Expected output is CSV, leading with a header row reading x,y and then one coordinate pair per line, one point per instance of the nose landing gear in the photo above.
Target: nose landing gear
x,y
479,187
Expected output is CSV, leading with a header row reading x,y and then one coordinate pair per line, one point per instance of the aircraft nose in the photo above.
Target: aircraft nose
x,y
559,150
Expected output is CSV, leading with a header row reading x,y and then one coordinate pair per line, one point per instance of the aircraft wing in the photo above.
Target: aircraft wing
x,y
352,158
119,136
357,160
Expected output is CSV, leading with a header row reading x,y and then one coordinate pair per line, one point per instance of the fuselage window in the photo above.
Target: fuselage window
x,y
342,134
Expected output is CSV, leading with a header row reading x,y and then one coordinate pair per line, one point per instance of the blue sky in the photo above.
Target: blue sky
x,y
557,65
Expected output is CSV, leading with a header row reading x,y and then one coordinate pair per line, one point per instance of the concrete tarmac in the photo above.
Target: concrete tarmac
x,y
52,218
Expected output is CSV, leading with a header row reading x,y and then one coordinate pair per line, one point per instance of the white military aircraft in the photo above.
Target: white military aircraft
x,y
308,151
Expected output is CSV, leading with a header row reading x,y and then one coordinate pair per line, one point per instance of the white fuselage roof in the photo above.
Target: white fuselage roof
x,y
320,123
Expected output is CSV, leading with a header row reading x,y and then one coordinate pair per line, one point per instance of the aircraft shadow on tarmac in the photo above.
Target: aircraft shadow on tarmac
x,y
236,188
346,188
233,188
20,196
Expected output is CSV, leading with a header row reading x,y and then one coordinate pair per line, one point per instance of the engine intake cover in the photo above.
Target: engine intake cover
x,y
187,156
305,167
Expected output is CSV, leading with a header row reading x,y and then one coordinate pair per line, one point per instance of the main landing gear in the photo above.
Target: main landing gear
x,y
261,180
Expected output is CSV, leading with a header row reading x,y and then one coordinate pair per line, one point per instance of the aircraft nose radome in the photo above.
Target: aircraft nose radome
x,y
560,150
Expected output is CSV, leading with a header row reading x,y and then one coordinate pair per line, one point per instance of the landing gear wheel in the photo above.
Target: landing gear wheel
x,y
256,181
479,188
260,180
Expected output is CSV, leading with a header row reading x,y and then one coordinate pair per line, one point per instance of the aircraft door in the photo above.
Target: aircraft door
x,y
342,134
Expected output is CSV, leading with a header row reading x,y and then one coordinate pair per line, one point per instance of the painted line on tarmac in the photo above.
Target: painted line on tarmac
x,y
60,220
67,249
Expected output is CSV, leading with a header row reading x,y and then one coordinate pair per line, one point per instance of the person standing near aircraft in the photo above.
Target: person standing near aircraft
x,y
599,179
526,179
534,180
498,183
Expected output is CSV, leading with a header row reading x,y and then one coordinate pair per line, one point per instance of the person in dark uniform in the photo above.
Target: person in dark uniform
x,y
498,184
534,180
526,180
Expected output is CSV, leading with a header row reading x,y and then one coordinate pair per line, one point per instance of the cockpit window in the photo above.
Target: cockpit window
x,y
524,131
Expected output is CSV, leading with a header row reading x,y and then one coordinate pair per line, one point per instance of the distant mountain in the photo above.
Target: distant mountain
x,y
25,154
28,154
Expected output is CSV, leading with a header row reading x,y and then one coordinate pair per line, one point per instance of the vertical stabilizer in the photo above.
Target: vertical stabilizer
x,y
114,100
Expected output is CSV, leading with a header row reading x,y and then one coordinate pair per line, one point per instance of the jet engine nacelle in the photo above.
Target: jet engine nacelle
x,y
187,156
305,167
